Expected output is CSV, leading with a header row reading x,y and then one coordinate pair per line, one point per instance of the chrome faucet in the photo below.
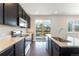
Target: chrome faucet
x,y
62,32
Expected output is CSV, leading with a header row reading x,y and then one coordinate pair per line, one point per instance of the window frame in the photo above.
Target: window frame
x,y
73,26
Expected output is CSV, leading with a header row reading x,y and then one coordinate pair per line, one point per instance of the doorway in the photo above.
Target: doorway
x,y
42,28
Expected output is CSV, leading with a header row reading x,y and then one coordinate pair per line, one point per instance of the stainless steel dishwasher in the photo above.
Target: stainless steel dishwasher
x,y
27,43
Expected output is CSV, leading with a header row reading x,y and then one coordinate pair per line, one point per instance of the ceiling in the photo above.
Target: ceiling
x,y
51,8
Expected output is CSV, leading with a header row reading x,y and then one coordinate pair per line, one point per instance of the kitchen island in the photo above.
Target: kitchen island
x,y
68,47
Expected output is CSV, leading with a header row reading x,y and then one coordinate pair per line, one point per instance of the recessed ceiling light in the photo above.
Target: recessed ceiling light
x,y
36,12
56,12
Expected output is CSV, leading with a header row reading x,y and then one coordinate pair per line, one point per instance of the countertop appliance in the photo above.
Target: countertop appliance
x,y
16,33
27,44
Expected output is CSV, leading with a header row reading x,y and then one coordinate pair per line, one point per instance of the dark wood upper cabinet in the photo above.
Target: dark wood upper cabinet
x,y
10,14
29,24
20,11
26,17
1,13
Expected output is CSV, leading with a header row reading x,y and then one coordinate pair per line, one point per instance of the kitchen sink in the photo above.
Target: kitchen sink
x,y
60,39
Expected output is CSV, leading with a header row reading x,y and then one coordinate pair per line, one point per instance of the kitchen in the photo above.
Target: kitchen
x,y
17,28
14,41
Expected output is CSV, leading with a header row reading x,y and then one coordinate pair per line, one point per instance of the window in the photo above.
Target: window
x,y
70,24
73,26
76,25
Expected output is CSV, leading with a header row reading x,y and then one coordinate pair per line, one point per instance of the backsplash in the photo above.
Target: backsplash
x,y
5,30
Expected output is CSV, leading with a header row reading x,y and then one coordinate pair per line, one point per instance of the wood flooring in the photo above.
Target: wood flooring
x,y
38,49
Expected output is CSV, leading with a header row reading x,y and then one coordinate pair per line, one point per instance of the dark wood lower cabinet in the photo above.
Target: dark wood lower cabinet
x,y
58,51
16,50
8,52
19,48
46,43
55,50
49,46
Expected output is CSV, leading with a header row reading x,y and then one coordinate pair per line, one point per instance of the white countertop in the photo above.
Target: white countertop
x,y
5,43
9,41
74,42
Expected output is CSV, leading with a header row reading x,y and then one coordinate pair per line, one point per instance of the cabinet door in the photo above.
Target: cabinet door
x,y
46,42
56,50
49,46
65,51
28,21
27,18
20,11
52,46
8,52
24,15
1,13
10,14
19,48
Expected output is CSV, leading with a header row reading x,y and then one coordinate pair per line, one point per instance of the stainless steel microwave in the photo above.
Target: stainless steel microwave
x,y
22,22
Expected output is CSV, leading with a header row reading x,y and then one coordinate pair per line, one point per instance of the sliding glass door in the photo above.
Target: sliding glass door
x,y
42,27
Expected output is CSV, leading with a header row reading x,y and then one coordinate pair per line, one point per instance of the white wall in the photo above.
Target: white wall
x,y
59,26
33,18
